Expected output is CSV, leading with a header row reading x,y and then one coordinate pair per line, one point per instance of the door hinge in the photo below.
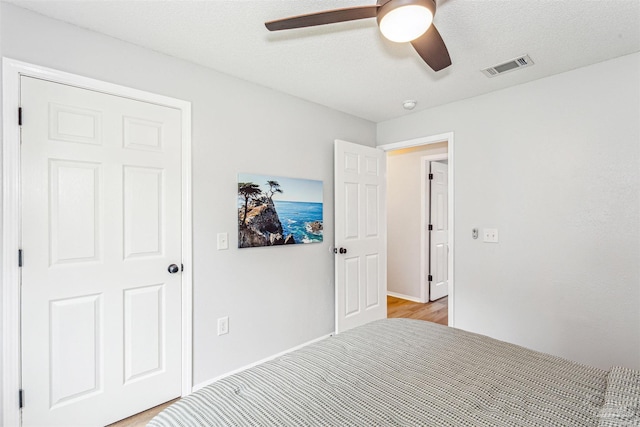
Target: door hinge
x,y
19,116
20,398
19,257
430,278
430,227
430,176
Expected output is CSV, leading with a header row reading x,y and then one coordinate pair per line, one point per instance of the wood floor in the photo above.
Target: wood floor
x,y
435,311
141,419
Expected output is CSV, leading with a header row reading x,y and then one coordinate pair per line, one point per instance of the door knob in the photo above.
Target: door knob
x,y
173,269
343,250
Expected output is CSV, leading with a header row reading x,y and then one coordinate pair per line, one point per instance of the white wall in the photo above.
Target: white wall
x,y
554,165
276,298
404,198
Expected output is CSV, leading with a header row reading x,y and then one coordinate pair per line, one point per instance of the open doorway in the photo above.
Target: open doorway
x,y
420,261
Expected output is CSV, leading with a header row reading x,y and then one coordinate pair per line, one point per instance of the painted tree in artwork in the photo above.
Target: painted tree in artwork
x,y
274,187
248,191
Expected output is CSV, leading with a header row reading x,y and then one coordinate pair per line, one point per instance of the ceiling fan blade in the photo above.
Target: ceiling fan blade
x,y
321,18
432,49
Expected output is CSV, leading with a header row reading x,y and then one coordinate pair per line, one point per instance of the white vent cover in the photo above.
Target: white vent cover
x,y
514,64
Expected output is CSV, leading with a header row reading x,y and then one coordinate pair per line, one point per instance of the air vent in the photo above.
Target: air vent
x,y
514,64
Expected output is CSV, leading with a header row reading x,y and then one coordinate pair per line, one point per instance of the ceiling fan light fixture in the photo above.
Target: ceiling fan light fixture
x,y
398,20
405,20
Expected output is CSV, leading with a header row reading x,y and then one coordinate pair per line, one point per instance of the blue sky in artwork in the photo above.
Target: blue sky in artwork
x,y
294,189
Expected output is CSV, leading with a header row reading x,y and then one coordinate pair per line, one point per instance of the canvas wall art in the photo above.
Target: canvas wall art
x,y
274,210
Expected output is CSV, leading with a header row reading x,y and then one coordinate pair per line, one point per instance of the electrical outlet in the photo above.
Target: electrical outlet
x,y
223,241
490,235
223,325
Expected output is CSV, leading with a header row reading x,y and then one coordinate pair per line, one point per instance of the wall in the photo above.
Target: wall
x,y
276,298
554,165
404,198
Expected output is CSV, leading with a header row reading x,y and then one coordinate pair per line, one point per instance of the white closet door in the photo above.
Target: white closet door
x,y
101,206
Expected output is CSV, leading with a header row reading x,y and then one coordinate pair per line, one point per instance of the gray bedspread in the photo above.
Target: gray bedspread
x,y
401,372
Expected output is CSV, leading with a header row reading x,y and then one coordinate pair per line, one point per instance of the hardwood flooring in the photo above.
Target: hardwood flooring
x,y
141,419
435,311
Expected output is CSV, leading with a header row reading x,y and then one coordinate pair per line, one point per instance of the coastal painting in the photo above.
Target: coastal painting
x,y
275,210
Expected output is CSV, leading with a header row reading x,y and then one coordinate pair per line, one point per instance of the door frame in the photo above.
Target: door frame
x,y
425,248
11,219
434,139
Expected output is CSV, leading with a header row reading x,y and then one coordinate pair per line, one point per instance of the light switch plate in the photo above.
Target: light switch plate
x,y
223,325
223,241
490,235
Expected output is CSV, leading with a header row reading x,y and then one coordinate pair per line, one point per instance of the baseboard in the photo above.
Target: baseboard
x,y
251,365
402,296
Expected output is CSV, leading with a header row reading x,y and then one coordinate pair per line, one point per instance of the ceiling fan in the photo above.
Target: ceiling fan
x,y
399,21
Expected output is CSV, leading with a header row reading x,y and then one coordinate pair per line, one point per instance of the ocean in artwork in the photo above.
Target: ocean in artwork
x,y
300,219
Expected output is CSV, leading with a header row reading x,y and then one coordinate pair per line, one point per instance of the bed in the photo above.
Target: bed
x,y
403,372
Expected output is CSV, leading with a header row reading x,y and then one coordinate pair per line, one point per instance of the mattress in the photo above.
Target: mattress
x,y
403,372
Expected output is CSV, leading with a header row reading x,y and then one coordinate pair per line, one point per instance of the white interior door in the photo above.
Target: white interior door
x,y
360,235
439,244
101,223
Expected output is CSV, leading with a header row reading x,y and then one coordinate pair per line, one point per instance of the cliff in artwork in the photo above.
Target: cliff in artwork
x,y
261,226
258,221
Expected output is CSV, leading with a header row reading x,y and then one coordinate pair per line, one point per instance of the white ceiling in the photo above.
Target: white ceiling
x,y
350,66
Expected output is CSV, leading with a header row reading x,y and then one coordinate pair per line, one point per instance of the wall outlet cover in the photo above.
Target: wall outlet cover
x,y
490,235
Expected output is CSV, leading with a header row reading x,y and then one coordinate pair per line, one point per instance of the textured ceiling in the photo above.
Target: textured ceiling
x,y
350,66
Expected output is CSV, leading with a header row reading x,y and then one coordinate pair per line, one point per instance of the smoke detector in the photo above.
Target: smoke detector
x,y
409,104
505,67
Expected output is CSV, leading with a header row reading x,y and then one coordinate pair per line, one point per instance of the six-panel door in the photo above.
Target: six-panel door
x,y
101,206
439,235
360,215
